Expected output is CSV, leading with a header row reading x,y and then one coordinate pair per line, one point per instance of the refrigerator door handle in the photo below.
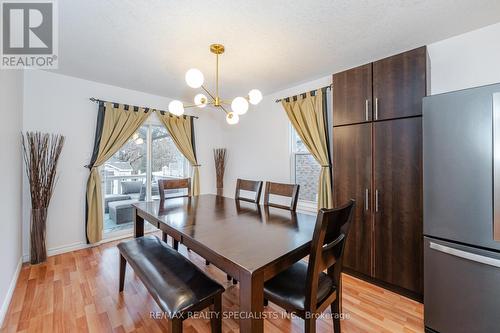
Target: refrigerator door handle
x,y
496,166
465,255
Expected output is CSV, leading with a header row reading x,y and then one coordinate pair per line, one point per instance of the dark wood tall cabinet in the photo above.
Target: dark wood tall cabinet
x,y
377,160
352,153
397,178
399,83
352,98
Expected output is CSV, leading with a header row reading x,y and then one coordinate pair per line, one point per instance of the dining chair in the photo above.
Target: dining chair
x,y
283,190
248,185
173,184
304,289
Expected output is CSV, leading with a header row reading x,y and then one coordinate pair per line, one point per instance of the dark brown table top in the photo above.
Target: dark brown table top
x,y
249,235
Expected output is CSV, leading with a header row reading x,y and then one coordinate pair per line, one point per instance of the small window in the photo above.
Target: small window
x,y
305,169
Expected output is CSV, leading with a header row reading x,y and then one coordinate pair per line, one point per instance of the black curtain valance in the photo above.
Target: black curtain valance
x,y
312,92
131,107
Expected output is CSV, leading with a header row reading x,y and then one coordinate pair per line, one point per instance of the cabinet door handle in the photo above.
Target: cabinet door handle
x,y
376,200
376,108
367,199
366,110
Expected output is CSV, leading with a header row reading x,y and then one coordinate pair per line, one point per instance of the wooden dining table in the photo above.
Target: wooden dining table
x,y
250,242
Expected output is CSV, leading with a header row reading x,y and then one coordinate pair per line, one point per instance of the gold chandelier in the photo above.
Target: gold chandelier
x,y
194,79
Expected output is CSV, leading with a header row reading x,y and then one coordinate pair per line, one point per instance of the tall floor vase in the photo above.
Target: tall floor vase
x,y
38,234
220,166
41,154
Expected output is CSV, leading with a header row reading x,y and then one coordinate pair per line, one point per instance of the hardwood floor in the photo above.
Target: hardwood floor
x,y
78,292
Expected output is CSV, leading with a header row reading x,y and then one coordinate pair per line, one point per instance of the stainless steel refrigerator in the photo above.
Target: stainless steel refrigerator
x,y
461,133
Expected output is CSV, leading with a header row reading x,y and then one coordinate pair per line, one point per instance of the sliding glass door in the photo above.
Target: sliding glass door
x,y
132,174
166,160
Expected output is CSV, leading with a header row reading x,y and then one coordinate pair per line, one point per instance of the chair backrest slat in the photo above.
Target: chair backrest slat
x,y
327,248
284,190
173,184
248,185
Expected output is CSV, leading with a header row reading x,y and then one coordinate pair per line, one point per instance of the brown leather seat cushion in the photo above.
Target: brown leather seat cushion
x,y
289,286
173,281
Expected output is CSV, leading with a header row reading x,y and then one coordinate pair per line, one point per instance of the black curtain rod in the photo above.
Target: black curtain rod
x,y
127,107
312,91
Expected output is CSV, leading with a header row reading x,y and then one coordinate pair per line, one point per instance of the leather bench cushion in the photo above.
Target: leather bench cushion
x,y
173,281
289,286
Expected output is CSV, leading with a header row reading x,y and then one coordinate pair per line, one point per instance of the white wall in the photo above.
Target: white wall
x,y
60,104
11,107
465,61
259,145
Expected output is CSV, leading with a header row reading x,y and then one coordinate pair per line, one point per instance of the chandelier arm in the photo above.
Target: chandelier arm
x,y
208,92
223,108
194,105
228,101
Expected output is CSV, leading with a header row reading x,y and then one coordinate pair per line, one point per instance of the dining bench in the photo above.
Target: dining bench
x,y
176,284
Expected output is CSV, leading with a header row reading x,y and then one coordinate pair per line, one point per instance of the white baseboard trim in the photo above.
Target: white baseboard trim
x,y
66,248
10,292
61,249
83,245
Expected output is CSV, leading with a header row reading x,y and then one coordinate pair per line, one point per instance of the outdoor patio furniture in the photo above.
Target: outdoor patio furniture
x,y
114,197
129,187
122,211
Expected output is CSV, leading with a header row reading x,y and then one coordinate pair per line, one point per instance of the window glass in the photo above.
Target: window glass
x,y
132,173
128,164
167,162
305,170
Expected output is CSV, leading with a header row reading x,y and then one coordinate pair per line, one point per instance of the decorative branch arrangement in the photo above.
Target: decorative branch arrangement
x,y
41,154
220,166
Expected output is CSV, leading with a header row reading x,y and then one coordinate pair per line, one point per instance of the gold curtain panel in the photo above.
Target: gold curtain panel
x,y
119,125
181,132
308,118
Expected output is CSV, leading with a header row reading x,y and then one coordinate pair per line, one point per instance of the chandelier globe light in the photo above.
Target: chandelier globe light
x,y
200,100
195,79
232,118
239,105
254,96
176,107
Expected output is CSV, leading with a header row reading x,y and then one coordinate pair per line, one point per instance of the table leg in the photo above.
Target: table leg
x,y
251,302
138,225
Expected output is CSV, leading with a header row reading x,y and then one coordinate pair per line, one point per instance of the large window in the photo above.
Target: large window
x,y
132,173
305,169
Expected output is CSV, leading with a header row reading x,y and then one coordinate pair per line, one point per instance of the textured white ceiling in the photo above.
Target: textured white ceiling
x,y
270,45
